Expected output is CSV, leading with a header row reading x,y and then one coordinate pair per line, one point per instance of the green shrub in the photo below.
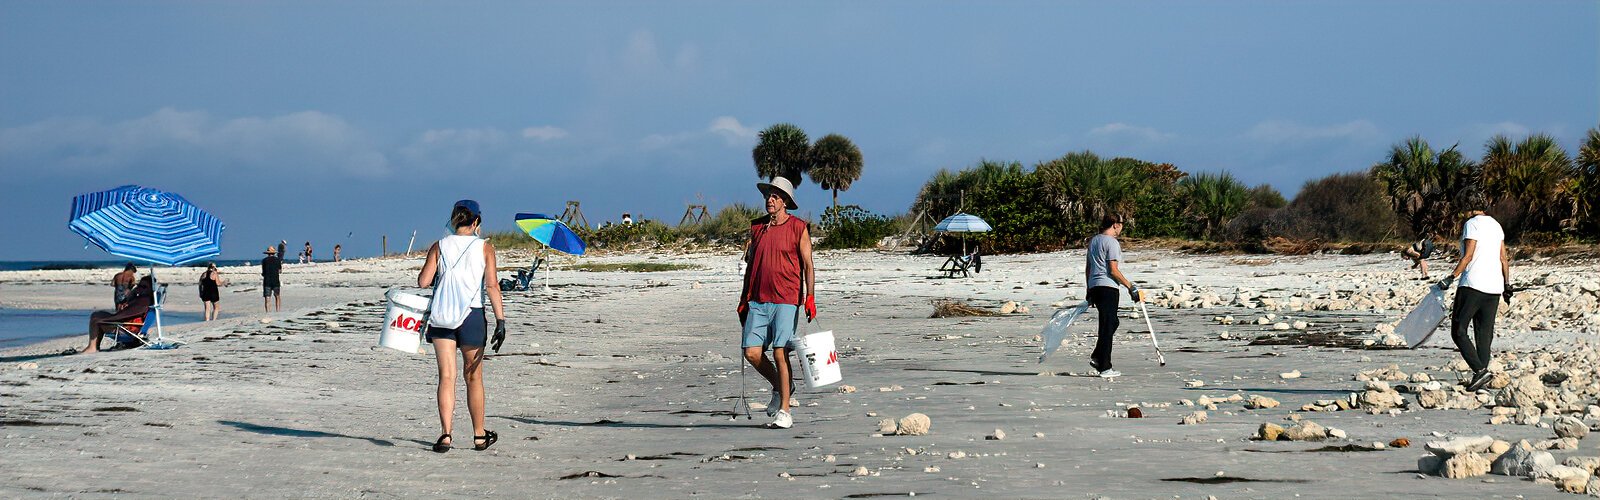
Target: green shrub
x,y
625,236
730,225
850,226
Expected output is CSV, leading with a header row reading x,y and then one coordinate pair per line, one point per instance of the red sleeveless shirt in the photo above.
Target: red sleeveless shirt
x,y
774,273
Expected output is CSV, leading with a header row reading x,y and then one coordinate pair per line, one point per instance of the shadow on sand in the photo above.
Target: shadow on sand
x,y
285,431
628,425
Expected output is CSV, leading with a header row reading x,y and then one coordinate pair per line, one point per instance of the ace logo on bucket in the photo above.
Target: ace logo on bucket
x,y
407,323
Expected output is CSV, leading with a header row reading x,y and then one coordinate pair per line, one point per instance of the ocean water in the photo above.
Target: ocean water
x,y
32,265
27,326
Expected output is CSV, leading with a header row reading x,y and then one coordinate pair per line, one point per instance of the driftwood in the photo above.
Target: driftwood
x,y
947,308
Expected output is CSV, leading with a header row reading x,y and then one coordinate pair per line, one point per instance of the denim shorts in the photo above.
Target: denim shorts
x,y
473,332
769,326
270,291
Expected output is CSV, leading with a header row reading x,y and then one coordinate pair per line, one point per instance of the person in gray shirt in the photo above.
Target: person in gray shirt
x,y
1103,275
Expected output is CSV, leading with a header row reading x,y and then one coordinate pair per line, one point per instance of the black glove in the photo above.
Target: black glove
x,y
1445,283
1506,295
1133,293
499,334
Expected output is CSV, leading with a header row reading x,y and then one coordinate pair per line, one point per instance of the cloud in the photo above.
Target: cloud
x,y
728,128
174,141
544,133
1287,131
1121,130
732,131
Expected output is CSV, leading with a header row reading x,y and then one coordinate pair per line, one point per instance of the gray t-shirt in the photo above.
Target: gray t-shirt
x,y
1102,250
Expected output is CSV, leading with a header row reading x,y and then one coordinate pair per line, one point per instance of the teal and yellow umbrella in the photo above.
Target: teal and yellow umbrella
x,y
552,232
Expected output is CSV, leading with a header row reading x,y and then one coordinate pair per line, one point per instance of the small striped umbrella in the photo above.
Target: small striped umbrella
x,y
552,232
963,223
146,225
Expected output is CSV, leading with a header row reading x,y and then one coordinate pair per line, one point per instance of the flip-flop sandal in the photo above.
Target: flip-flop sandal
x,y
488,438
440,446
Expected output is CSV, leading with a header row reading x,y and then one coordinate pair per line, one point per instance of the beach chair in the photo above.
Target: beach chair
x,y
523,278
132,333
962,264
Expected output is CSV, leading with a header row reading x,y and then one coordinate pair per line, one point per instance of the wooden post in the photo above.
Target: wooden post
x,y
385,246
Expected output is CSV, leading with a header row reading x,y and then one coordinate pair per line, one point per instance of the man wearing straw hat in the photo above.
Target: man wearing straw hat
x,y
270,287
779,269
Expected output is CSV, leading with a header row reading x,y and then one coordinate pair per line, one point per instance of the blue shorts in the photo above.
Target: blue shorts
x,y
473,332
769,326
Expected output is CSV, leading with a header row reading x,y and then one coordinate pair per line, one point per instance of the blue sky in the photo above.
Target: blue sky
x,y
339,122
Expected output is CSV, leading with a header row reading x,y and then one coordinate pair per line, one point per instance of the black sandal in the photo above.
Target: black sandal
x,y
440,446
488,438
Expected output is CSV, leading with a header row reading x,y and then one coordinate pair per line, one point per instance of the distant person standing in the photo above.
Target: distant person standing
x,y
270,286
1419,252
1103,274
336,257
780,278
627,219
283,248
305,255
123,284
210,295
1484,273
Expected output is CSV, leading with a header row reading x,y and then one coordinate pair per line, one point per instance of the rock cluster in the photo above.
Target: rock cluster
x,y
915,424
1305,430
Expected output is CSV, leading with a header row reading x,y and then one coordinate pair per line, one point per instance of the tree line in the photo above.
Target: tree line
x,y
1539,193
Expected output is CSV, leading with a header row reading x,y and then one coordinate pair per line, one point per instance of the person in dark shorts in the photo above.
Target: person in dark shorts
x,y
1104,274
210,296
271,288
461,269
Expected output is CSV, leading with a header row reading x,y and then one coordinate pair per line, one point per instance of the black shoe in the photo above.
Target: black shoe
x,y
440,446
1479,380
1096,366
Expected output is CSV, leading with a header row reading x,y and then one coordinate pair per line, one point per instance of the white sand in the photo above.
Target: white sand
x,y
607,365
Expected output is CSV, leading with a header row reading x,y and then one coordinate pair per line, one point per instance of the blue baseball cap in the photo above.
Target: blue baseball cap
x,y
470,205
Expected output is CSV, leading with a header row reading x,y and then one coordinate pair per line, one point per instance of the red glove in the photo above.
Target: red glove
x,y
811,307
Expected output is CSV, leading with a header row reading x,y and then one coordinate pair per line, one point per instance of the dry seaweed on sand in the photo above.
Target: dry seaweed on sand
x,y
948,308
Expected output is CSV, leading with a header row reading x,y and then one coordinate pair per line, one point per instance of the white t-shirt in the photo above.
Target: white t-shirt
x,y
1483,272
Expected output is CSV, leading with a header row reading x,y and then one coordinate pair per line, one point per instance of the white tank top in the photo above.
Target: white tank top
x,y
460,280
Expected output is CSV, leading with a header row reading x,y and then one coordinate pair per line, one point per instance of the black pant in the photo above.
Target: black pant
x,y
1104,299
1478,308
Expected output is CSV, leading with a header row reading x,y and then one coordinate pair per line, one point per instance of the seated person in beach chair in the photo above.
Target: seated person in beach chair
x,y
134,310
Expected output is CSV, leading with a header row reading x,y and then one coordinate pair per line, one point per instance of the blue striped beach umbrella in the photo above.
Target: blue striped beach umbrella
x,y
146,225
963,223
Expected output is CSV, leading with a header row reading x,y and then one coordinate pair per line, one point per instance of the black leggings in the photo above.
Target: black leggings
x,y
1478,308
1104,299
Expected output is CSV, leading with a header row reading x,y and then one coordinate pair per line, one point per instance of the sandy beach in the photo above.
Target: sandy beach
x,y
620,385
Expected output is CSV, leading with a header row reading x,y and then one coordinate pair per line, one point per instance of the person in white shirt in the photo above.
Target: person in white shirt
x,y
463,264
1484,273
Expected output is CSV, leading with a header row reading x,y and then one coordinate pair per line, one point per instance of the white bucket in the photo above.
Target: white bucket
x,y
819,359
402,324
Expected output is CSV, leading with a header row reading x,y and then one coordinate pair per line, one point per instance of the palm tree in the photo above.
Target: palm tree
x,y
781,149
1213,199
1086,188
835,164
1526,179
1424,187
1586,184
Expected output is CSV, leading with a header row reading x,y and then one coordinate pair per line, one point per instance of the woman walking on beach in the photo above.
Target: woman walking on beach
x,y
463,265
1103,275
1485,275
210,297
